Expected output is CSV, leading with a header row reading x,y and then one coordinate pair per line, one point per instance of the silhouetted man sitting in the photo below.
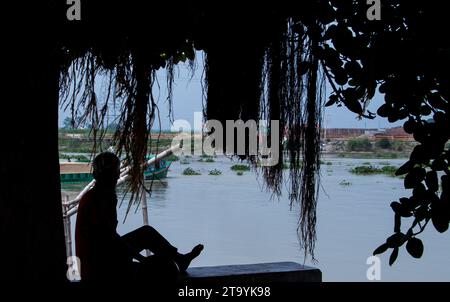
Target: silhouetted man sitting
x,y
103,253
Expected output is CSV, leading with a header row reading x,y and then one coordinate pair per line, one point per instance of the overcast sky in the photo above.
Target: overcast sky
x,y
188,99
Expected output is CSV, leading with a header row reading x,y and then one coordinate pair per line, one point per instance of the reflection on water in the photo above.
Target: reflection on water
x,y
239,223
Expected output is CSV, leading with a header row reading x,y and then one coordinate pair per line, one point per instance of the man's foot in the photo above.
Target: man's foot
x,y
183,261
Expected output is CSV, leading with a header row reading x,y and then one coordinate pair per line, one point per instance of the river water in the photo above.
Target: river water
x,y
239,223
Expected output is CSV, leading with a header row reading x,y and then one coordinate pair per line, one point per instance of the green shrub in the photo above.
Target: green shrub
x,y
359,144
384,143
239,173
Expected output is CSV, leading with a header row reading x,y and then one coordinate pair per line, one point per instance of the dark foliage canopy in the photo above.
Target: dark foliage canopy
x,y
271,61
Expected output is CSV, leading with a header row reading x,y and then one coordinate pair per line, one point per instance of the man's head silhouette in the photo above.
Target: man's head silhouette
x,y
106,168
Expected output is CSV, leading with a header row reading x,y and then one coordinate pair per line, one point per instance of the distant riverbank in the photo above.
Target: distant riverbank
x,y
80,141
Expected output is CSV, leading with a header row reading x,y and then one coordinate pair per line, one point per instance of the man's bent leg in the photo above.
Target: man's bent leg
x,y
147,238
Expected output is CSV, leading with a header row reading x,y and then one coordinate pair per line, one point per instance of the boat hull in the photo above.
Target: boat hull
x,y
159,174
81,172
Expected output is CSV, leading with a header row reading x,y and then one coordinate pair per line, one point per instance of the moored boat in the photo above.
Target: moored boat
x,y
158,170
74,172
71,172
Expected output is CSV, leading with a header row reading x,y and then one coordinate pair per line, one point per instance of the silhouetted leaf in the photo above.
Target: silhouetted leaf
x,y
397,222
405,168
409,126
396,206
353,68
415,247
332,100
340,76
402,114
351,101
331,31
404,200
422,213
420,192
410,181
438,165
431,180
439,217
371,89
418,155
396,240
381,249
393,256
383,88
425,110
384,110
414,177
354,82
437,101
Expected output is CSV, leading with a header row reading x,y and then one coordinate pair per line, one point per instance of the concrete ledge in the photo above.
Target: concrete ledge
x,y
258,273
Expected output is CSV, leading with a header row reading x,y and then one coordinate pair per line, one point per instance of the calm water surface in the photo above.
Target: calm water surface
x,y
238,222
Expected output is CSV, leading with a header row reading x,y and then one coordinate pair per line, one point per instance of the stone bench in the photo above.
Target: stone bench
x,y
285,272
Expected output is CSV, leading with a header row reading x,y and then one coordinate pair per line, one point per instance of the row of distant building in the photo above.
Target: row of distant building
x,y
396,134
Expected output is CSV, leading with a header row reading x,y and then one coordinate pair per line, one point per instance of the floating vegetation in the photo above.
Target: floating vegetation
x,y
390,170
329,163
215,172
371,170
365,170
367,163
206,156
80,158
384,163
184,162
345,183
240,173
373,155
329,171
240,168
190,171
206,160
